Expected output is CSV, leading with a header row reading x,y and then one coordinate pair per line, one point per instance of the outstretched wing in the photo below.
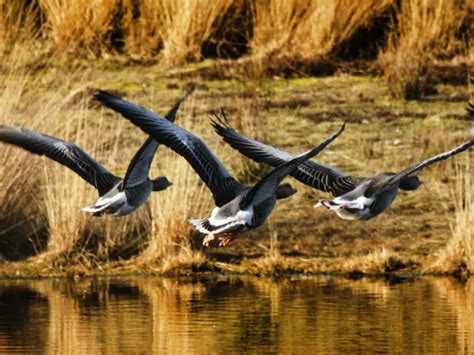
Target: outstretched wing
x,y
139,167
266,187
222,185
310,173
65,153
443,156
396,178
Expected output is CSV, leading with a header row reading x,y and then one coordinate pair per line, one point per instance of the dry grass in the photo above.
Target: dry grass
x,y
176,28
81,26
170,232
187,25
424,29
17,23
308,31
143,32
458,255
376,262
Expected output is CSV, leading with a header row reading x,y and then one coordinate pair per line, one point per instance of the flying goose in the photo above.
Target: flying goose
x,y
356,197
116,196
239,208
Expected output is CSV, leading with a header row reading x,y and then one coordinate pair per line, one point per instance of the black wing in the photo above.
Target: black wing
x,y
139,166
65,153
266,187
443,156
415,167
310,173
222,185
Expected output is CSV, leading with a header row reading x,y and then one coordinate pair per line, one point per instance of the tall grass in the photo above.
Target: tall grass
x,y
19,203
279,35
18,23
143,28
80,26
187,25
458,255
424,29
308,30
177,28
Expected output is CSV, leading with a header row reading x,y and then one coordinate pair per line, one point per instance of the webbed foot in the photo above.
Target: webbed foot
x,y
208,239
224,240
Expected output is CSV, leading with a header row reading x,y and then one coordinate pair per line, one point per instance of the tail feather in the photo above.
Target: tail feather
x,y
205,227
202,225
96,208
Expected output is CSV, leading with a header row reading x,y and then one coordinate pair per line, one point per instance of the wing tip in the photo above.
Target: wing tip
x,y
220,123
470,109
104,96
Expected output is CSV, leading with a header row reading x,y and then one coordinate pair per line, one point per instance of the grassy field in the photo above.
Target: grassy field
x,y
424,231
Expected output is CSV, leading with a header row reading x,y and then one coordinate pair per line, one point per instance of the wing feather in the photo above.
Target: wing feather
x,y
65,153
310,173
222,185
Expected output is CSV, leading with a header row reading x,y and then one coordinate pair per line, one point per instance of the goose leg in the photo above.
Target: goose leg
x,y
225,239
208,239
108,210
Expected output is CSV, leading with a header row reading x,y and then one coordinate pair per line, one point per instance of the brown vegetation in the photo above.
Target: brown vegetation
x,y
424,30
79,26
458,255
308,31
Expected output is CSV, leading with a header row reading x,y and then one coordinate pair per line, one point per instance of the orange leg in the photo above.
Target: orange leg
x,y
225,239
208,239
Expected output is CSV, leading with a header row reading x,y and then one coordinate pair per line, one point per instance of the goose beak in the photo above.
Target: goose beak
x,y
322,202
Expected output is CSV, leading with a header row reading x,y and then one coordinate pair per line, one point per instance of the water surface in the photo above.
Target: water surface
x,y
236,315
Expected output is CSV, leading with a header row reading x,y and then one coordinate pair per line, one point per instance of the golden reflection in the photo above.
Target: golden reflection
x,y
219,314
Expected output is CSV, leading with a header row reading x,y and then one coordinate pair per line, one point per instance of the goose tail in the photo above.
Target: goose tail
x,y
202,225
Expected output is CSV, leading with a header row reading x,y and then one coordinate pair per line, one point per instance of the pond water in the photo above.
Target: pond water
x,y
236,315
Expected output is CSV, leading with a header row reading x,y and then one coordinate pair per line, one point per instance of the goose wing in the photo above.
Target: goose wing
x,y
415,167
443,156
65,153
310,173
222,185
266,187
139,167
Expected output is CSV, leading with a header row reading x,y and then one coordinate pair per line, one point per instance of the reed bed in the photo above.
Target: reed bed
x,y
308,31
18,23
176,29
424,30
80,26
458,255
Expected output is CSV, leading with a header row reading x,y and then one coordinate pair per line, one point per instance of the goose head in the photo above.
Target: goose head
x,y
161,183
284,191
410,183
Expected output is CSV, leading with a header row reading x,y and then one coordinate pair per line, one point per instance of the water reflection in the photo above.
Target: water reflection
x,y
232,314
